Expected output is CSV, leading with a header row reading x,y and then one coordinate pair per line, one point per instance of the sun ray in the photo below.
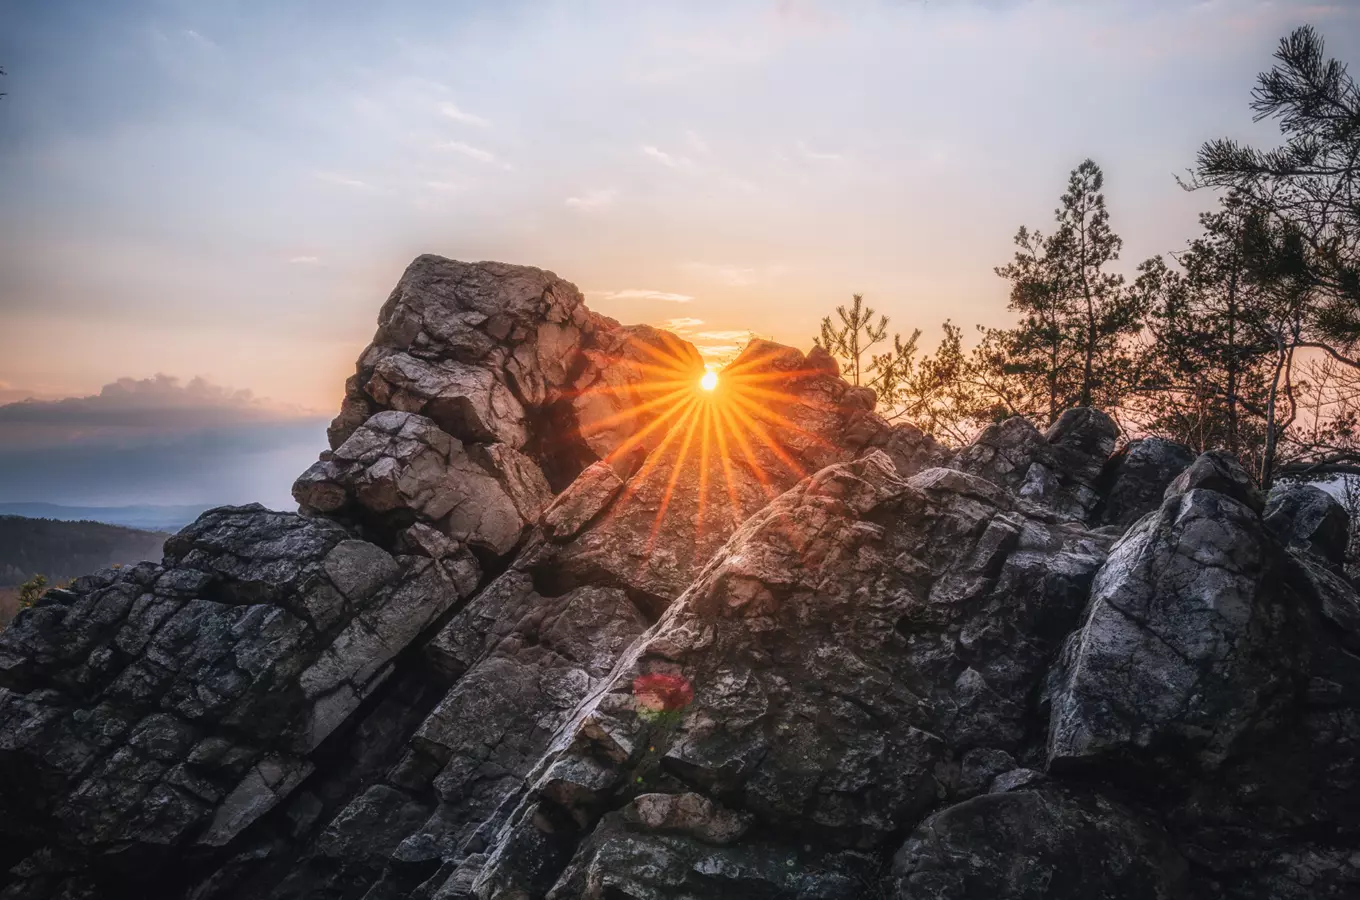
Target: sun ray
x,y
674,360
767,415
655,457
740,366
764,437
754,464
608,422
780,375
725,457
676,470
620,390
702,505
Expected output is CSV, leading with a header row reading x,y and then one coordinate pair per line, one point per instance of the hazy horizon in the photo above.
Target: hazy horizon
x,y
225,193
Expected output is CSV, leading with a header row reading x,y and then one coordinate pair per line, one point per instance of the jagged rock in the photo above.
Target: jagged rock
x,y
398,467
619,861
1188,645
1059,469
634,377
465,401
910,449
888,633
1219,472
149,708
1309,518
1136,478
1049,843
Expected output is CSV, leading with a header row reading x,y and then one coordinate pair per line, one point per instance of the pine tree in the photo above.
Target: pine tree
x,y
858,332
1072,344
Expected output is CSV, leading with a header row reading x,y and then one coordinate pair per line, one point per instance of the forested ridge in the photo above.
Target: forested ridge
x,y
63,550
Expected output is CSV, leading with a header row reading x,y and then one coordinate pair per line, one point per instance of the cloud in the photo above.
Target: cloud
x,y
591,200
131,405
343,180
477,153
304,260
198,38
641,294
685,323
459,115
696,143
669,160
155,440
737,276
818,157
717,352
722,335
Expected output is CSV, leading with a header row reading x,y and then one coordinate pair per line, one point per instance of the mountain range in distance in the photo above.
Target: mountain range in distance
x,y
145,517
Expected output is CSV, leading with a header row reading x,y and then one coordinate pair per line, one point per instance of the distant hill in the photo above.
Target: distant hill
x,y
147,517
62,550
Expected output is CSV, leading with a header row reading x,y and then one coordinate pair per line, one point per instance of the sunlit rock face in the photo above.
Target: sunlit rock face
x,y
557,621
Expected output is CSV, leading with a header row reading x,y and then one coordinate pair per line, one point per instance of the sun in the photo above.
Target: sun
x,y
704,432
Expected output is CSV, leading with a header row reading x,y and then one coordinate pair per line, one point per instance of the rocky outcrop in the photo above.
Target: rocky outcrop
x,y
1060,468
555,623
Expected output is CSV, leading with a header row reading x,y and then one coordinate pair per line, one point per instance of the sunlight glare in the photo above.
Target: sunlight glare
x,y
709,381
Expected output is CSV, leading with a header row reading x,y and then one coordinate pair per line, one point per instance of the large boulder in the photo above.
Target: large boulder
x,y
854,640
1049,842
1135,479
1308,518
1188,645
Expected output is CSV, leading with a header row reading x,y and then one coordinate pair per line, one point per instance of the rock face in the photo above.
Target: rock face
x,y
555,623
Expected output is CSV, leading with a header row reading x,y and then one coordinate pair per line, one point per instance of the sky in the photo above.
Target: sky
x,y
205,202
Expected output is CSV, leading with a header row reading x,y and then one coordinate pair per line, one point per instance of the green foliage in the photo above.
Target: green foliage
x,y
1072,345
1310,184
854,338
31,590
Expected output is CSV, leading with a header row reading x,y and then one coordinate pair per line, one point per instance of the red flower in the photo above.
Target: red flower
x,y
662,693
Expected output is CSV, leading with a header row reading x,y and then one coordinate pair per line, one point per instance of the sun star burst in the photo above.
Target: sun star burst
x,y
729,426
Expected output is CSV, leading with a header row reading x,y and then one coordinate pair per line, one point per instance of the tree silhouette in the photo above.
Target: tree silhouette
x,y
858,332
1071,343
1311,183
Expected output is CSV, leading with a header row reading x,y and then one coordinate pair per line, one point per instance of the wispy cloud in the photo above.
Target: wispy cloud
x,y
815,156
696,143
477,153
721,335
684,323
669,160
591,200
641,294
461,115
304,260
718,352
343,180
737,276
199,38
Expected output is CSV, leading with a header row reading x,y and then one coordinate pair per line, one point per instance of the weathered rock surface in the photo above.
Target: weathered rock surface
x,y
1027,668
1059,468
1136,477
